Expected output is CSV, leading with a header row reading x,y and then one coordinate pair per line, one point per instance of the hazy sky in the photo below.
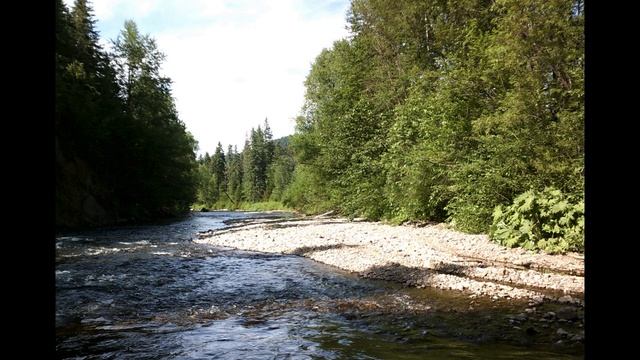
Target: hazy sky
x,y
232,62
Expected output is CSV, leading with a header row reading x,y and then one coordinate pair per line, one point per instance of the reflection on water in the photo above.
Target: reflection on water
x,y
148,292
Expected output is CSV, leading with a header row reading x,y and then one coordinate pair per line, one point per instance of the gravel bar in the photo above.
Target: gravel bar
x,y
420,256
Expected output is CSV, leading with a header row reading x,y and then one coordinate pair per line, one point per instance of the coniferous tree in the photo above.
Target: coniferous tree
x,y
248,172
122,154
160,160
235,176
87,112
268,142
218,164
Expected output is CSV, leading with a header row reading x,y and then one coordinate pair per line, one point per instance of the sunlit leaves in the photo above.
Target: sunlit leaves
x,y
548,220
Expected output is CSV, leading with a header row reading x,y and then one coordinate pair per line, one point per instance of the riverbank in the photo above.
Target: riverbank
x,y
427,256
264,206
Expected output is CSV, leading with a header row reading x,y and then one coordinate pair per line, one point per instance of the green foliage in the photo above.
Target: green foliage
x,y
429,110
158,158
546,220
212,178
234,176
264,206
280,171
119,142
307,191
257,157
259,174
435,110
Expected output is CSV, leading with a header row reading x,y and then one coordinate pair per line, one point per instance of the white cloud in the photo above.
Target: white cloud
x,y
233,62
105,10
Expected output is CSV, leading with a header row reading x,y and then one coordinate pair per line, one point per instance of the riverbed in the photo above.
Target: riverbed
x,y
150,292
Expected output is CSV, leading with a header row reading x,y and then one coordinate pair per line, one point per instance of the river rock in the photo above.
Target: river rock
x,y
562,333
520,317
536,301
567,313
549,316
569,299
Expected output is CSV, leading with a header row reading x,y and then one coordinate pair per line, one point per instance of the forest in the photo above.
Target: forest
x,y
467,112
256,178
122,153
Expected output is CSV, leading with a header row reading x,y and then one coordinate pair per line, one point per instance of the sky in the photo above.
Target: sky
x,y
233,62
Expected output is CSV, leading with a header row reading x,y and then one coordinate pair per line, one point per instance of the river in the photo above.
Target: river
x,y
149,292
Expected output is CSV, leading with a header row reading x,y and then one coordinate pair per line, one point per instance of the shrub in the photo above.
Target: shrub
x,y
549,220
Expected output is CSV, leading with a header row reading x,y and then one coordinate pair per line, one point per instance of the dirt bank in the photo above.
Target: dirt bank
x,y
416,256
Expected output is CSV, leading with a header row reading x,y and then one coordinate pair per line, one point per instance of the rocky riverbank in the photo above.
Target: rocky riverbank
x,y
420,256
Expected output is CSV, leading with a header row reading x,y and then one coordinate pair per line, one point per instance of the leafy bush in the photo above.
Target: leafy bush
x,y
549,220
307,192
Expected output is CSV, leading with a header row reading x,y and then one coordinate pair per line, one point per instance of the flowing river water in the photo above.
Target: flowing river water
x,y
149,292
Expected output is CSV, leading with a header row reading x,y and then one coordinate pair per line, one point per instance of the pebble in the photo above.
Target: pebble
x,y
549,316
577,337
567,313
568,299
562,333
521,317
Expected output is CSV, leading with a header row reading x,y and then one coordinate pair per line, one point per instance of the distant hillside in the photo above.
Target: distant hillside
x,y
283,141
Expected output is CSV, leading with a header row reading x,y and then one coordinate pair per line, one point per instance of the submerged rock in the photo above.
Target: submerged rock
x,y
549,315
567,313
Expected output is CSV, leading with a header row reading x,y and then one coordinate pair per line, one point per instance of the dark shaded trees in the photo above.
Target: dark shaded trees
x,y
160,158
122,152
87,110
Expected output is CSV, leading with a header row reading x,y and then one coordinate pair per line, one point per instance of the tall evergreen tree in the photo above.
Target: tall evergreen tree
x,y
249,192
87,112
218,164
121,151
268,142
162,157
234,175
